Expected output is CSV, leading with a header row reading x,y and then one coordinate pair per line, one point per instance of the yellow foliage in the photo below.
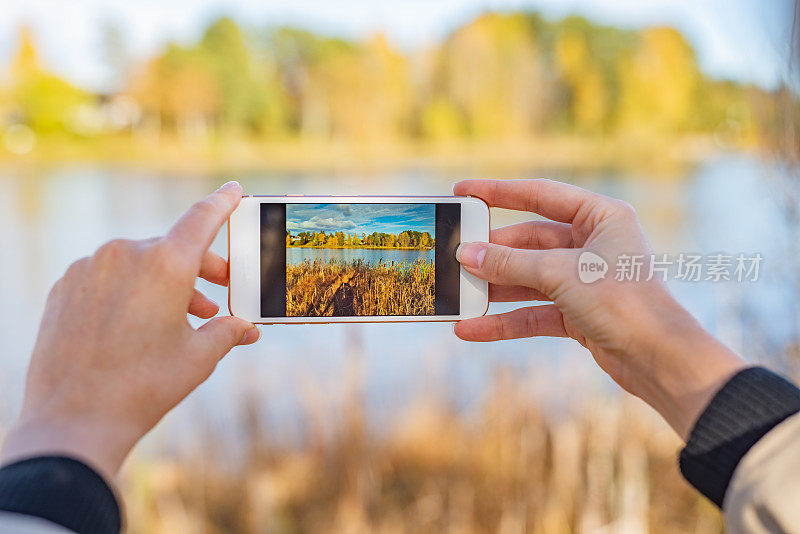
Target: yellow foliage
x,y
590,100
359,92
658,83
441,120
572,54
492,72
500,77
26,60
192,93
178,93
45,101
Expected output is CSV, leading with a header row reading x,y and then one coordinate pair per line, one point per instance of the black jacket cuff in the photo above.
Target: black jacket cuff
x,y
748,406
61,490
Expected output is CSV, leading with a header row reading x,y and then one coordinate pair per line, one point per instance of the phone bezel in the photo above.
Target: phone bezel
x,y
244,288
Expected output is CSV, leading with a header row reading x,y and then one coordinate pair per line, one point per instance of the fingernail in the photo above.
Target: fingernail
x,y
250,336
471,254
229,185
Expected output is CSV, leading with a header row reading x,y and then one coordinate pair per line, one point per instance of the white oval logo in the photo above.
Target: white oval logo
x,y
591,267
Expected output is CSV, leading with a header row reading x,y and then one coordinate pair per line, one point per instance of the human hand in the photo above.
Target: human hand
x,y
635,330
115,351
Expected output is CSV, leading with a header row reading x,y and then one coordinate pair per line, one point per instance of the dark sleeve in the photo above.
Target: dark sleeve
x,y
748,406
61,490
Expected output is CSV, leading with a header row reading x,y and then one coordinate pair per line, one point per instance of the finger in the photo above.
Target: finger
x,y
197,227
214,268
218,336
499,293
201,306
524,322
554,200
534,235
542,270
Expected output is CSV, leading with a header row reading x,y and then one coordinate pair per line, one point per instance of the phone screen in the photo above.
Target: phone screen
x,y
359,260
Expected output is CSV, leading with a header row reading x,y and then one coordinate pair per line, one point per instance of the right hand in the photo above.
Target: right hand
x,y
635,330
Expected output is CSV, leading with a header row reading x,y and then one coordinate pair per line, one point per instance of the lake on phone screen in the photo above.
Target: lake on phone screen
x,y
730,204
297,255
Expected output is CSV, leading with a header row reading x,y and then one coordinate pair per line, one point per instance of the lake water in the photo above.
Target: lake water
x,y
297,255
50,218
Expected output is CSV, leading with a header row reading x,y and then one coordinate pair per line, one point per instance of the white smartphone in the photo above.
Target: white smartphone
x,y
336,259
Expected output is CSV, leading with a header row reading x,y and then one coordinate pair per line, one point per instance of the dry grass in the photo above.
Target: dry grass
x,y
359,288
503,468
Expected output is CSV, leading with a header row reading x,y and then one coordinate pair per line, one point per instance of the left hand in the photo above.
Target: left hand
x,y
115,351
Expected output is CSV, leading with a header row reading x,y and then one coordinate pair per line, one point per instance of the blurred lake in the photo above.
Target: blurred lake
x,y
50,218
297,255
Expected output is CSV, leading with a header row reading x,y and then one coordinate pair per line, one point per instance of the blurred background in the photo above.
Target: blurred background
x,y
115,117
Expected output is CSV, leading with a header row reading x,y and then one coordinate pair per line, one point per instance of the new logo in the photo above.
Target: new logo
x,y
591,267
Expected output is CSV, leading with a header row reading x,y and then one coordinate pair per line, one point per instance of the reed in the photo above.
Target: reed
x,y
505,466
358,287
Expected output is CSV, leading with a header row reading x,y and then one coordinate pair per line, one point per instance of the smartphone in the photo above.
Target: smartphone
x,y
336,259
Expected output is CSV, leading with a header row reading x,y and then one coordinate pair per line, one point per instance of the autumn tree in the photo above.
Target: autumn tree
x,y
658,83
343,89
45,102
499,76
251,95
589,101
493,73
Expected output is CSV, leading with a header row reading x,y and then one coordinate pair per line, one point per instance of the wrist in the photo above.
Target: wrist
x,y
96,442
685,366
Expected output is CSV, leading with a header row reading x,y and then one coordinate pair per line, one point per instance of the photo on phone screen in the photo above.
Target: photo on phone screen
x,y
359,260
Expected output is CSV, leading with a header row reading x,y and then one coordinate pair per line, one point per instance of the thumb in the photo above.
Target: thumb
x,y
221,334
539,269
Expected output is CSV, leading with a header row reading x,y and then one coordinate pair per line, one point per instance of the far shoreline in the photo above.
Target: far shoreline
x,y
236,155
